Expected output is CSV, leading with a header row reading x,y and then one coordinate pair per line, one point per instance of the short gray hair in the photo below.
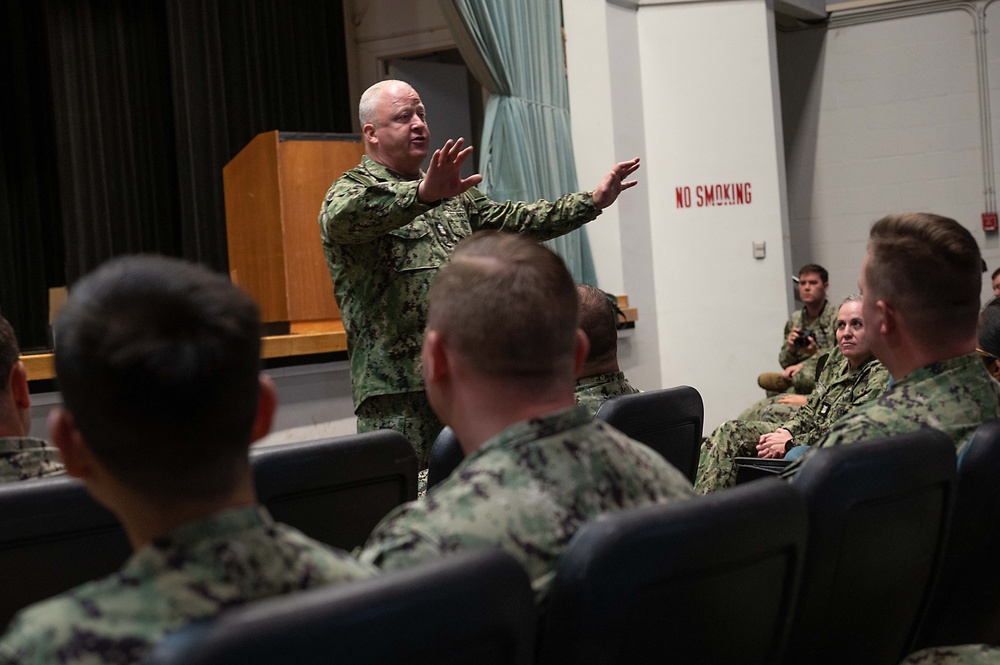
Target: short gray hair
x,y
369,100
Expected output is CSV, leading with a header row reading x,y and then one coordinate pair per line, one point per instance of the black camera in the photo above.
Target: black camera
x,y
803,339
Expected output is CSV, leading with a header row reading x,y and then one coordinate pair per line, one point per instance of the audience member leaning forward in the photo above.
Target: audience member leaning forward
x,y
500,356
21,456
921,280
158,361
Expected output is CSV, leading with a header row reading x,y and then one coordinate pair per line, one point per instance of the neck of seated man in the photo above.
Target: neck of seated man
x,y
485,406
146,518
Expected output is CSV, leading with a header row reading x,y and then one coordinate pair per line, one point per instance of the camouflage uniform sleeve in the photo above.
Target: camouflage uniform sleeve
x,y
968,654
542,220
804,414
27,643
397,542
358,208
872,385
853,427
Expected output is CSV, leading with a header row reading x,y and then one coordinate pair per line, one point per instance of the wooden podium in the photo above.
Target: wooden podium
x,y
273,190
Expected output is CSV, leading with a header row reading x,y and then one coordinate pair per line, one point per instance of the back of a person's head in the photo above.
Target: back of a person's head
x,y
598,321
989,328
929,269
508,306
158,360
10,352
815,269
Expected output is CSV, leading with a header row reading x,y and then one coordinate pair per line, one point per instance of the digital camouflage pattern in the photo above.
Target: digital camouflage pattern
x,y
968,654
838,391
24,457
825,328
410,414
528,490
954,396
197,571
593,391
769,410
383,248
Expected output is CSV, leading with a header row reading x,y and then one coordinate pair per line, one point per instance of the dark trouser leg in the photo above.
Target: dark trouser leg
x,y
409,414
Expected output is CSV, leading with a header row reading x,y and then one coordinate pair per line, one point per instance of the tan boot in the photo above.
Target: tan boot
x,y
773,381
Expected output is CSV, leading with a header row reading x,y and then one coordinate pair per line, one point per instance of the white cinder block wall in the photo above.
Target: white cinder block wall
x,y
883,116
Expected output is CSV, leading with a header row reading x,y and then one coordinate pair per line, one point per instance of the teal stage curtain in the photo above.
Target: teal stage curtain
x,y
514,48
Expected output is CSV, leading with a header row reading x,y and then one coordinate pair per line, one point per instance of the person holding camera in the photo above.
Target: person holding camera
x,y
808,334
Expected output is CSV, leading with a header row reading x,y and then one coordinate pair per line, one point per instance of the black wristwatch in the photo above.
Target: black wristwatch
x,y
789,444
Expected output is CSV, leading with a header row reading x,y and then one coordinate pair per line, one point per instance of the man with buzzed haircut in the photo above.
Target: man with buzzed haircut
x,y
599,378
21,456
921,280
158,361
808,334
500,357
387,227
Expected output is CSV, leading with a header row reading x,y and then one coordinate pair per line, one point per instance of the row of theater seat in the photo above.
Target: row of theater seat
x,y
855,561
839,566
54,536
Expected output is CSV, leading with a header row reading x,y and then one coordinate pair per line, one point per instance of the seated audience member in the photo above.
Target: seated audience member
x,y
158,362
968,654
989,337
600,376
995,281
500,357
850,376
808,334
21,456
921,280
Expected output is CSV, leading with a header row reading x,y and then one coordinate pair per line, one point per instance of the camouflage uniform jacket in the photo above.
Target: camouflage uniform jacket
x,y
383,248
824,327
528,490
838,390
593,391
24,457
967,654
954,396
197,571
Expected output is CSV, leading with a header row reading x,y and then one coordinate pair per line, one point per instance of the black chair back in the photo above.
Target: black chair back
x,y
879,514
669,421
446,454
708,580
474,608
53,537
966,605
336,490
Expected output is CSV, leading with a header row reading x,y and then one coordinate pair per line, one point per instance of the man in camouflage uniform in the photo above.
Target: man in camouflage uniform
x,y
499,358
387,227
21,456
921,280
967,654
817,318
158,361
600,376
849,377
